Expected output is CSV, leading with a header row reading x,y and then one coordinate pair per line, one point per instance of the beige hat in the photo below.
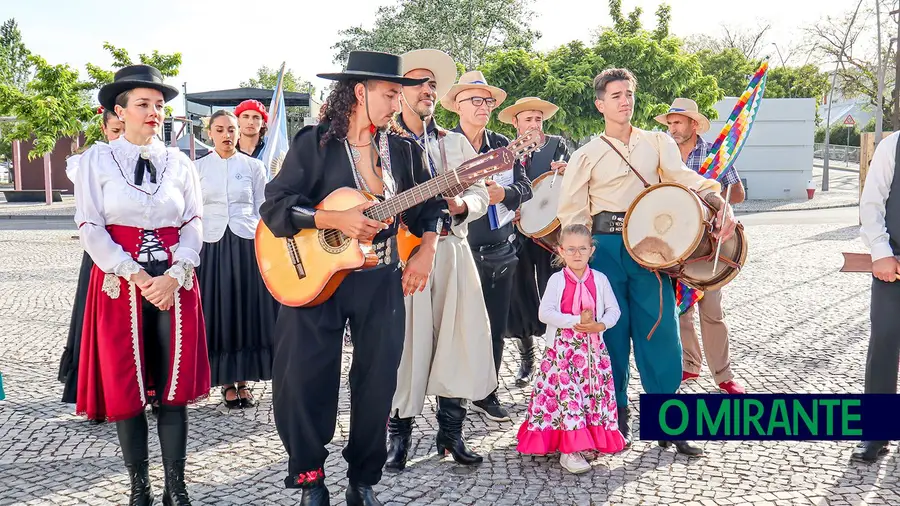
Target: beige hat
x,y
437,62
527,104
686,107
473,80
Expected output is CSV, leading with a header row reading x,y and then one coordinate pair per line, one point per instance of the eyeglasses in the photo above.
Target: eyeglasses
x,y
479,101
582,251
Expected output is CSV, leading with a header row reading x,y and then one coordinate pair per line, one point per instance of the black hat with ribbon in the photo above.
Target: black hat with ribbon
x,y
132,77
372,65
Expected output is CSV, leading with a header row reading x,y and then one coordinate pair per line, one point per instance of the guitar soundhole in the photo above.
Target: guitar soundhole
x,y
333,241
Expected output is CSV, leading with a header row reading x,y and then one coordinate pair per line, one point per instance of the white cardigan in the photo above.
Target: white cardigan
x,y
550,313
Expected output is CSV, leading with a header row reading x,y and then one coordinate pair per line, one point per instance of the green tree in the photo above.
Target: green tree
x,y
565,76
467,30
167,64
51,107
15,67
266,78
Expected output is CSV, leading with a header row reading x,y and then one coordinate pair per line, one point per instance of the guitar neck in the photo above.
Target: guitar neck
x,y
414,196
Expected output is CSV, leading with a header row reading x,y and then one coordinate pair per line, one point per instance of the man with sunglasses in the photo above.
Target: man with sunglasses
x,y
491,236
447,328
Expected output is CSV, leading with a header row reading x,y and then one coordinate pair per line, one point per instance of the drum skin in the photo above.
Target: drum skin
x,y
538,215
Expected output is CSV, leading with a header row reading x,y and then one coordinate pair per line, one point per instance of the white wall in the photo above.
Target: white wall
x,y
777,158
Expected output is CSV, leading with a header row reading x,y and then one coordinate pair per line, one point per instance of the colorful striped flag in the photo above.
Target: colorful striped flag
x,y
277,141
724,152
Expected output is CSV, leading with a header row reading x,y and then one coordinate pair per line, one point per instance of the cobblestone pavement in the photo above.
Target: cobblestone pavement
x,y
797,326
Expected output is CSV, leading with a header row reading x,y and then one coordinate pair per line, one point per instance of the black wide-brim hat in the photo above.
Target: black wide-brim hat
x,y
132,77
372,65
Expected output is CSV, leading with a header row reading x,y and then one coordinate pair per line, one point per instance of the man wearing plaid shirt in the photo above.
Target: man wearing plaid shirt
x,y
685,124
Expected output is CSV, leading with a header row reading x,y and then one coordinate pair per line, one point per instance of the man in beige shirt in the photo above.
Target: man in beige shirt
x,y
598,188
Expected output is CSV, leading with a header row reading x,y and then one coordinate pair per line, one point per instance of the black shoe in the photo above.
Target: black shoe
x,y
246,402
491,408
451,415
625,424
96,422
234,403
361,495
316,495
526,368
399,435
869,451
175,493
684,448
141,494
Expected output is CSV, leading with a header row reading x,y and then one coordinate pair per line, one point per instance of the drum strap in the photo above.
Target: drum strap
x,y
636,173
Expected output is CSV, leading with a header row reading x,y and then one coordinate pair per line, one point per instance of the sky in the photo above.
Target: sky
x,y
224,42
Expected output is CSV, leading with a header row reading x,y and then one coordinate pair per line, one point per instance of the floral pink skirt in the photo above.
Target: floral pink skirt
x,y
573,402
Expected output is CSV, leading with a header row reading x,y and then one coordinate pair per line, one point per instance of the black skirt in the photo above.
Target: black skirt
x,y
530,281
68,364
238,310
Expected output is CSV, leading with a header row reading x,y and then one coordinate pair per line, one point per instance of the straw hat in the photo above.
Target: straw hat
x,y
686,107
437,62
473,80
527,104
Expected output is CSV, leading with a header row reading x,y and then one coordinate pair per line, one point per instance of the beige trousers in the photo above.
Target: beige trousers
x,y
714,333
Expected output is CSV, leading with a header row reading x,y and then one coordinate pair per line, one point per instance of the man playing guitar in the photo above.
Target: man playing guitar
x,y
348,148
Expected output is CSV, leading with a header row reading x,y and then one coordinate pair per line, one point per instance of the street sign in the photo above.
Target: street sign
x,y
849,120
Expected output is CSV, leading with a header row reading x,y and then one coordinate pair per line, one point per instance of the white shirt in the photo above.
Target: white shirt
x,y
607,307
105,194
233,189
874,197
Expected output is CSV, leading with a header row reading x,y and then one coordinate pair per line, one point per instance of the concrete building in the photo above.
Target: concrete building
x,y
776,162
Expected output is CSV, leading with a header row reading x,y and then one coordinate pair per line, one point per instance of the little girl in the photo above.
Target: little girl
x,y
573,403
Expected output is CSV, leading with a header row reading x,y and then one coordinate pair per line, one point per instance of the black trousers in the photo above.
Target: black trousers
x,y
530,281
307,373
884,341
496,267
172,423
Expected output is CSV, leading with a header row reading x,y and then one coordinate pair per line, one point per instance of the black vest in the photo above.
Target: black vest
x,y
892,205
539,162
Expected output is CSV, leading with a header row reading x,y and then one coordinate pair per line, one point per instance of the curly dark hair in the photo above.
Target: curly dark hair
x,y
337,109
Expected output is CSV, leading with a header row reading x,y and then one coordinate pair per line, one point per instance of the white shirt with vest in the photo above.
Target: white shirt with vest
x,y
233,189
873,201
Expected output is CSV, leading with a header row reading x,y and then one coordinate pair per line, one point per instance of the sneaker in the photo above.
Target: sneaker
x,y
574,463
688,376
491,408
732,387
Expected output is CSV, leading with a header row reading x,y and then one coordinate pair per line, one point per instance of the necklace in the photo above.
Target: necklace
x,y
354,152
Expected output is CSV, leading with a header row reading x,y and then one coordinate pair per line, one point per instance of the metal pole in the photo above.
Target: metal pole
x,y
17,164
48,180
880,98
837,67
895,117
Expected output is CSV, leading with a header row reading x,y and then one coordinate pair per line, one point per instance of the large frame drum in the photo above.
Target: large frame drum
x,y
538,216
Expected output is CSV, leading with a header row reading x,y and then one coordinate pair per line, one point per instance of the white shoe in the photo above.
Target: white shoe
x,y
574,463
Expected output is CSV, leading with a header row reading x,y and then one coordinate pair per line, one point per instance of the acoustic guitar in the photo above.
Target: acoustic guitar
x,y
306,269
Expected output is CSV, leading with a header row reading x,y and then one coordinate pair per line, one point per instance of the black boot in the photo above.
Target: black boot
x,y
141,495
684,448
399,434
175,493
450,415
625,424
316,495
869,451
361,495
526,368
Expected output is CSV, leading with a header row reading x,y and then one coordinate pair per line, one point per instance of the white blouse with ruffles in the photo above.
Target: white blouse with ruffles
x,y
105,194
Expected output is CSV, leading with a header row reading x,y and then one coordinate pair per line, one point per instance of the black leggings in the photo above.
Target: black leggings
x,y
172,425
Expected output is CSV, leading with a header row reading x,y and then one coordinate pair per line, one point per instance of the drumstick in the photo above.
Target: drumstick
x,y
722,224
555,173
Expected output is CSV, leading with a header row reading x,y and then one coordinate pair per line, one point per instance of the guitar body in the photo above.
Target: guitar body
x,y
407,243
306,269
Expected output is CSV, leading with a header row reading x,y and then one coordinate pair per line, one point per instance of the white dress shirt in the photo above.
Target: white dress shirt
x,y
105,194
874,197
233,189
606,306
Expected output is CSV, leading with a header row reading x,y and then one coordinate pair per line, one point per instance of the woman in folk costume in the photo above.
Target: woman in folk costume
x,y
573,403
447,349
238,309
112,128
138,209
